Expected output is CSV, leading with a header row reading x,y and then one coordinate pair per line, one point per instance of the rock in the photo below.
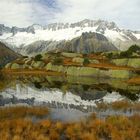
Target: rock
x,y
71,55
120,62
83,71
57,68
15,66
122,74
28,61
104,73
78,60
94,61
25,66
38,64
134,62
8,66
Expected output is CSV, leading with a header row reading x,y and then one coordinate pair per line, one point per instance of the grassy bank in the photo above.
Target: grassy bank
x,y
21,128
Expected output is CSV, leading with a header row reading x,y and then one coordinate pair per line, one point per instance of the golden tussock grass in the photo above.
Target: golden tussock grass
x,y
135,80
119,105
111,128
22,112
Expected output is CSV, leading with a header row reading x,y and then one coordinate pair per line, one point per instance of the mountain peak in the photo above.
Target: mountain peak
x,y
18,37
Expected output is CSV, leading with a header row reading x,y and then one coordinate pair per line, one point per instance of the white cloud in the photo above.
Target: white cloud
x,y
26,12
12,12
124,12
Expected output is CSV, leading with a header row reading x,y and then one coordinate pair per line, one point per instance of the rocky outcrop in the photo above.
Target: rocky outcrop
x,y
71,55
78,60
135,62
86,43
88,71
122,74
131,62
77,65
15,66
37,64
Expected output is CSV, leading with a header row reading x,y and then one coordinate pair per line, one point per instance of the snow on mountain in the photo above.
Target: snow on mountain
x,y
17,37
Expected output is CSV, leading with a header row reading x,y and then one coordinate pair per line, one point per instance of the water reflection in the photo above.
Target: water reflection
x,y
67,95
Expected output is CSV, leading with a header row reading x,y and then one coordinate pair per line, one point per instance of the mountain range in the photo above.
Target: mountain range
x,y
37,38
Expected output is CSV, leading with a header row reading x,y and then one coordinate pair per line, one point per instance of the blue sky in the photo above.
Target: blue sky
x,y
22,13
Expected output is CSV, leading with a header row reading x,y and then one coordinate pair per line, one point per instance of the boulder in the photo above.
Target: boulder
x,y
78,60
71,55
83,71
120,62
15,66
94,61
8,66
122,74
134,62
38,64
57,68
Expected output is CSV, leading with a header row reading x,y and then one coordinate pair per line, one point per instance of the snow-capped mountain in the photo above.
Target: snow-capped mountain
x,y
20,37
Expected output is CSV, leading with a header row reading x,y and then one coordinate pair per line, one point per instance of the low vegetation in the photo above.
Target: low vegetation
x,y
22,112
132,52
38,57
119,105
112,128
57,61
86,61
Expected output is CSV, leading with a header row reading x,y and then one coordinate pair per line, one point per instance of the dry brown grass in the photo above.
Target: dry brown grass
x,y
135,80
30,72
22,112
119,105
112,128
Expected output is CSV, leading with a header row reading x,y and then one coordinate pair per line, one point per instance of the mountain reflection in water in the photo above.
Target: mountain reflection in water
x,y
67,96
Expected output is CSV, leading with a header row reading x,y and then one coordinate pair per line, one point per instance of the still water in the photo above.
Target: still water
x,y
69,98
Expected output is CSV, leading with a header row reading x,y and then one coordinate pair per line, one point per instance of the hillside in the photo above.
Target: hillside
x,y
6,55
118,65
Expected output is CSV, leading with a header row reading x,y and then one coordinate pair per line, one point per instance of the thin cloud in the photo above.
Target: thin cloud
x,y
26,12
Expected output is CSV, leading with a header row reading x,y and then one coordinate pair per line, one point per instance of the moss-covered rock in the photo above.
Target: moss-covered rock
x,y
38,64
122,74
94,61
71,55
78,60
120,62
134,62
57,68
104,73
83,71
8,66
15,66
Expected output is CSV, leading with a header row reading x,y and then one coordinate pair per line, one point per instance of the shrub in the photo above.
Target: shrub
x,y
110,55
57,61
130,51
38,57
134,48
86,61
125,54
